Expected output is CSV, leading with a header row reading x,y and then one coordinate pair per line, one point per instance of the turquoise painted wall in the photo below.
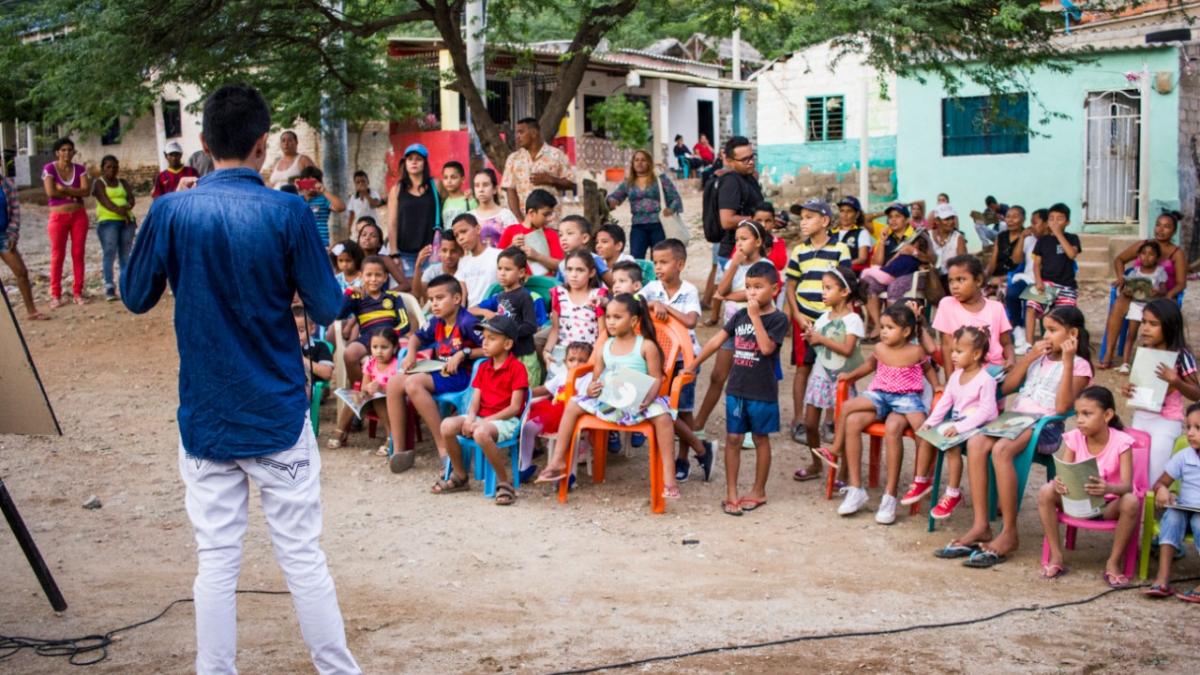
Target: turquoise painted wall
x,y
786,159
1053,169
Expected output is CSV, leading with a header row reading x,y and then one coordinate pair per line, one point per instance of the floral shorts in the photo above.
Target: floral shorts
x,y
822,389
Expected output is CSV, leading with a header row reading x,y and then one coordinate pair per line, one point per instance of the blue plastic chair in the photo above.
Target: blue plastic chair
x,y
1024,462
1122,334
473,454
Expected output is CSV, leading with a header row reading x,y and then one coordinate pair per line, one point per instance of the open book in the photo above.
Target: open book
x,y
1009,425
1140,289
1149,389
624,390
1077,503
426,366
1045,298
939,440
1192,508
356,400
537,241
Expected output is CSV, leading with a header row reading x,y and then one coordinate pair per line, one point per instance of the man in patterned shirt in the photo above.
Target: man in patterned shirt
x,y
535,164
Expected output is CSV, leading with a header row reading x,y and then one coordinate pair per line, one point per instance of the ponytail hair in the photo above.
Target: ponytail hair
x,y
845,277
1102,397
1072,317
979,336
761,232
639,308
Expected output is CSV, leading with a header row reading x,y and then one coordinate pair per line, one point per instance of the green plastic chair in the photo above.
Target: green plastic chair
x,y
647,271
1024,462
1150,523
318,392
542,287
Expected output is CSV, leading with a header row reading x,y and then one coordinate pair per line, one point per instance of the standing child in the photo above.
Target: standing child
x,y
1053,263
493,218
575,233
1050,378
752,395
455,199
839,290
898,364
968,402
494,414
373,310
515,301
1174,523
631,344
364,201
575,308
348,258
449,253
539,212
379,368
966,306
610,245
1162,328
321,201
114,220
549,402
1148,269
1098,434
451,336
477,267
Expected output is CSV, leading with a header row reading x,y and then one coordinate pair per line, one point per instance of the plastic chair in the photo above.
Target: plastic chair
x,y
1150,523
1122,334
1023,462
1141,467
471,452
415,314
675,341
647,271
541,287
318,392
541,316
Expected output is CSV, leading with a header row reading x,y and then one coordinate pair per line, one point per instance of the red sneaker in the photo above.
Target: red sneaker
x,y
946,506
916,493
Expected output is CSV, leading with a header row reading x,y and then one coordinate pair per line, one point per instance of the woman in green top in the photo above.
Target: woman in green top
x,y
114,220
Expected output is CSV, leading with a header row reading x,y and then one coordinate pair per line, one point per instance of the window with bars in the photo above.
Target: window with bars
x,y
826,118
112,135
172,119
985,125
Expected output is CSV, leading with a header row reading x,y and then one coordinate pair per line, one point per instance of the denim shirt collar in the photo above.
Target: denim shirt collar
x,y
240,173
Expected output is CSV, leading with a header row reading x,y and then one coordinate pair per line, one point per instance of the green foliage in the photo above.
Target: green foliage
x,y
627,122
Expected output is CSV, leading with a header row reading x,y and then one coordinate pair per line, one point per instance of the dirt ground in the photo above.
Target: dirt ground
x,y
454,584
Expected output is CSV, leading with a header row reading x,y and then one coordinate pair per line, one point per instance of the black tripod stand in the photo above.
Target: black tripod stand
x,y
45,578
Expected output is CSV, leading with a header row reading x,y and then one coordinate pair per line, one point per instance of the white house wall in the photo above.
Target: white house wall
x,y
684,116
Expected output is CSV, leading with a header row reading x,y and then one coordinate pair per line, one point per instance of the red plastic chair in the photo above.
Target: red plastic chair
x,y
1141,471
675,341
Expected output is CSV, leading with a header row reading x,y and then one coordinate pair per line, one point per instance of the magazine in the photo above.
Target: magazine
x,y
1140,289
624,389
426,366
939,440
1077,503
1009,425
1045,298
356,400
537,241
1191,508
1149,389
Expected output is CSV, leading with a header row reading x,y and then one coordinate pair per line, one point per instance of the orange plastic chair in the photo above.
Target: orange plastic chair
x,y
675,341
875,431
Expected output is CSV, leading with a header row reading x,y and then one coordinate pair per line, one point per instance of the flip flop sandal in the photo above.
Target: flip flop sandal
x,y
1115,580
382,451
671,492
1053,571
1157,591
547,477
983,559
804,474
731,508
955,550
1190,596
826,456
505,495
452,484
750,503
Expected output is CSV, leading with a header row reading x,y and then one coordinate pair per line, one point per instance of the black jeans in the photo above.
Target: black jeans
x,y
643,237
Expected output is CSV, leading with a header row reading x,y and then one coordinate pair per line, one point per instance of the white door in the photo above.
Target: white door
x,y
1111,151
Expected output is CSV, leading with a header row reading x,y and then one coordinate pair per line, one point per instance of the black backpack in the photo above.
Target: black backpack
x,y
713,232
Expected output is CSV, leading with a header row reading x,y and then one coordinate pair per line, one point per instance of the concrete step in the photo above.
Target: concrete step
x,y
1093,271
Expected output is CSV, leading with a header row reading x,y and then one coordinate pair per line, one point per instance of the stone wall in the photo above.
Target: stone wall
x,y
832,186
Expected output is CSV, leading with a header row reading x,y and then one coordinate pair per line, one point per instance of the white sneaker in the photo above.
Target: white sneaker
x,y
1021,348
856,498
886,515
1018,335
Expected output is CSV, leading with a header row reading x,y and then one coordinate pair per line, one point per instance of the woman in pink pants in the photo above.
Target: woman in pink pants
x,y
66,185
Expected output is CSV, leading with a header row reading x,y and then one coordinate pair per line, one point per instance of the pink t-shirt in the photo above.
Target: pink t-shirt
x,y
1039,393
951,316
381,374
1109,459
973,402
77,171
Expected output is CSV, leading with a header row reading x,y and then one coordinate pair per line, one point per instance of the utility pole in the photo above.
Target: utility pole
x,y
335,148
864,150
475,25
739,104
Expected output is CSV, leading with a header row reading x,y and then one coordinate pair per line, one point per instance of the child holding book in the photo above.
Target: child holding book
x,y
1150,271
540,243
967,403
314,353
1162,328
1098,434
1050,378
1053,263
514,300
752,392
900,366
373,310
549,402
450,336
378,370
493,218
1184,467
494,414
631,344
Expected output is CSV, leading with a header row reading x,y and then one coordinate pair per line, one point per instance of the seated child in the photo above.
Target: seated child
x,y
1053,264
494,413
1098,434
1184,467
1147,268
627,277
449,253
318,360
514,300
894,263
752,393
379,368
549,401
610,245
347,260
967,306
968,402
539,212
372,309
631,343
477,267
452,336
575,233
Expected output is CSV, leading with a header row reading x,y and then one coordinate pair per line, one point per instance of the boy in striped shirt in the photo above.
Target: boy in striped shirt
x,y
311,186
809,261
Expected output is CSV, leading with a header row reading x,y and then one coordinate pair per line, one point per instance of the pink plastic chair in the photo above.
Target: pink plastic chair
x,y
1141,470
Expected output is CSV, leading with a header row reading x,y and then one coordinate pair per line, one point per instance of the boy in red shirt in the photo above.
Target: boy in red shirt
x,y
168,179
494,414
539,211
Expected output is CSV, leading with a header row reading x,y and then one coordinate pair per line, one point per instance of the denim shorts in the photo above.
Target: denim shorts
x,y
1173,526
887,402
743,415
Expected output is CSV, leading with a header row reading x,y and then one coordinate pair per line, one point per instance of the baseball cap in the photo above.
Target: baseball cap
x,y
818,206
417,148
501,324
943,211
172,148
899,207
851,201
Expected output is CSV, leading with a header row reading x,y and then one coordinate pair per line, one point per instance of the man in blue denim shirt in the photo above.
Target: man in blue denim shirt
x,y
235,253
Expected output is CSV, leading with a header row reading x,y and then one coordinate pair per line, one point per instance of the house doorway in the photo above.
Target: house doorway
x,y
1112,153
704,121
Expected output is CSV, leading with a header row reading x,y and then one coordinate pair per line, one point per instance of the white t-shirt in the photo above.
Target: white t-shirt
x,y
361,207
685,301
558,382
738,284
477,273
853,323
1026,274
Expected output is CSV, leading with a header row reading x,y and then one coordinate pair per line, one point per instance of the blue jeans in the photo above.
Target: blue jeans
x,y
1014,306
1173,526
116,240
643,237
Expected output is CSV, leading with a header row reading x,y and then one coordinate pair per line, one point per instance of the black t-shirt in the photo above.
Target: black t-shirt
x,y
1057,268
518,304
753,375
1004,251
741,193
415,222
317,351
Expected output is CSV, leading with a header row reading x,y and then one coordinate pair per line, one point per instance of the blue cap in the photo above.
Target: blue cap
x,y
852,202
899,207
818,206
417,148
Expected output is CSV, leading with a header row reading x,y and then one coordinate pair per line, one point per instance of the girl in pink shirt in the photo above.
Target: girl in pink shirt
x,y
379,368
966,306
1098,433
969,401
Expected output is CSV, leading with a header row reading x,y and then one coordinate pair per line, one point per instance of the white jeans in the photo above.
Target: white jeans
x,y
1163,433
290,488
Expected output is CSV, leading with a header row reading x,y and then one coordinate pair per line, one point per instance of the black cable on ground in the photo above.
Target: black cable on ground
x,y
816,637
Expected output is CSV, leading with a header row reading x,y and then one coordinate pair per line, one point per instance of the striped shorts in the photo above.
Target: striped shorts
x,y
1067,297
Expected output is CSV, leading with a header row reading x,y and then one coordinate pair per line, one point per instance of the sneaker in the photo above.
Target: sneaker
x,y
614,442
706,460
916,493
682,468
946,506
529,473
637,440
798,433
827,433
886,515
1021,348
856,498
110,296
748,442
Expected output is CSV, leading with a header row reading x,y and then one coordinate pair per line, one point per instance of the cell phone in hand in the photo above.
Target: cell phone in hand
x,y
307,184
